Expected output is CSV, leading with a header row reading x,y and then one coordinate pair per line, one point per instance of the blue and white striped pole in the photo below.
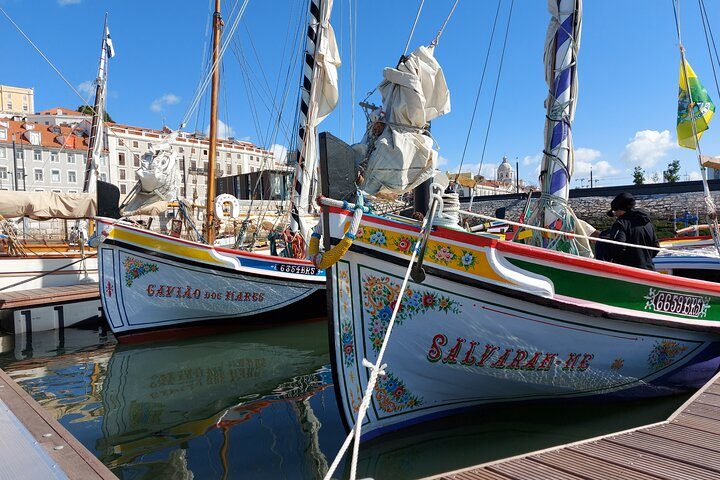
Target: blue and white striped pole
x,y
561,50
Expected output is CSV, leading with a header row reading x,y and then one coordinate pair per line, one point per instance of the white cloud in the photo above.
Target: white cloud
x,y
442,161
647,147
87,87
279,152
695,176
223,130
532,159
62,3
167,99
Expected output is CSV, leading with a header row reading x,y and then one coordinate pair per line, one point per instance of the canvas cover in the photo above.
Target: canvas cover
x,y
158,172
47,205
413,94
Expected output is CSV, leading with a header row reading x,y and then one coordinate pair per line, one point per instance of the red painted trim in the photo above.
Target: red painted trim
x,y
240,253
684,239
596,267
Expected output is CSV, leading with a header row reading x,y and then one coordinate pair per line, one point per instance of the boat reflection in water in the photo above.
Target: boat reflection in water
x,y
174,408
260,404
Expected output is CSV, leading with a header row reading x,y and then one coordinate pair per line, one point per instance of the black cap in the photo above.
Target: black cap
x,y
624,201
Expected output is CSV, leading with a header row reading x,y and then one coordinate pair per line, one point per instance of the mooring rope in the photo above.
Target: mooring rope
x,y
376,369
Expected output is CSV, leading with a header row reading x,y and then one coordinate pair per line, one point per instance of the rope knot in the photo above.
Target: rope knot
x,y
371,366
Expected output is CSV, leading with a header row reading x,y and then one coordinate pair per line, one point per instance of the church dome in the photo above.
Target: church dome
x,y
505,171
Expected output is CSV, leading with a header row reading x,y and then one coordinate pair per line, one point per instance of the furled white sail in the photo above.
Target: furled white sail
x,y
47,205
413,94
158,178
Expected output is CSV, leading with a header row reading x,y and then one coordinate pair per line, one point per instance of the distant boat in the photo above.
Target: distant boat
x,y
150,281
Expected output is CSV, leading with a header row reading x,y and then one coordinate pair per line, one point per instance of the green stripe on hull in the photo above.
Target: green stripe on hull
x,y
624,294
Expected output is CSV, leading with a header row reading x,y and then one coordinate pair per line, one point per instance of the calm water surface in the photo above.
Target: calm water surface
x,y
260,404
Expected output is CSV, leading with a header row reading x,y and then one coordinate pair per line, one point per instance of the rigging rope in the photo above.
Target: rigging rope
x,y
442,28
710,39
412,30
378,368
482,80
44,57
497,83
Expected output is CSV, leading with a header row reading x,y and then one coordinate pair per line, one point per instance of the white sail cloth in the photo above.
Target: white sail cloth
x,y
47,205
413,94
158,172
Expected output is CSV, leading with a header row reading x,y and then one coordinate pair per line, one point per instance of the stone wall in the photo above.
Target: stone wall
x,y
661,206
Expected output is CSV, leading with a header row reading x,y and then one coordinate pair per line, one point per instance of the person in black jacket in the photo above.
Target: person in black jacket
x,y
632,226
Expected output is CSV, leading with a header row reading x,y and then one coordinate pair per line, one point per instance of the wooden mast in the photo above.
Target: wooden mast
x,y
98,113
212,154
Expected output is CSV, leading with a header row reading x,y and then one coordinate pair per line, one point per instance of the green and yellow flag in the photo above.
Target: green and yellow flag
x,y
702,108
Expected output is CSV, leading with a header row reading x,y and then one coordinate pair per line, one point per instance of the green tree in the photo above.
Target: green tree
x,y
672,174
88,110
638,175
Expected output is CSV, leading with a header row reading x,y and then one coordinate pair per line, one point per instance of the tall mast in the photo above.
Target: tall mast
x,y
319,14
95,144
210,201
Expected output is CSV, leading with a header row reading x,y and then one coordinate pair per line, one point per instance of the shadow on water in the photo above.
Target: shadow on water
x,y
260,404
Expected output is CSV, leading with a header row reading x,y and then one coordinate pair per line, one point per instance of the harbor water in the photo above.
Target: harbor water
x,y
260,404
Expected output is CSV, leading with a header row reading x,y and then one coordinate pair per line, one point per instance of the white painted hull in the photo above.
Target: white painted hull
x,y
23,273
485,347
150,281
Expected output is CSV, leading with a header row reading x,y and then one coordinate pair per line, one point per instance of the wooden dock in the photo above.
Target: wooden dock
x,y
48,295
33,445
685,446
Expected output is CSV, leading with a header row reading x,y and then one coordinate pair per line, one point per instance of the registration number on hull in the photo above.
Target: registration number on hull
x,y
677,303
299,269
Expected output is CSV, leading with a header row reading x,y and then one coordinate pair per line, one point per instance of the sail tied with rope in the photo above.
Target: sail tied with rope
x,y
693,102
397,148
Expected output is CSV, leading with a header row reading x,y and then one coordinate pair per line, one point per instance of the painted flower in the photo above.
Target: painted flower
x,y
467,260
443,254
360,232
403,244
378,238
385,313
428,300
414,301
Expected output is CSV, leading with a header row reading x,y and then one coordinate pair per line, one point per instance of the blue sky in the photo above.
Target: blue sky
x,y
628,69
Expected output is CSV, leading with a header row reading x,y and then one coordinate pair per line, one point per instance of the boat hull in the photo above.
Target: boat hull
x,y
462,340
45,270
150,281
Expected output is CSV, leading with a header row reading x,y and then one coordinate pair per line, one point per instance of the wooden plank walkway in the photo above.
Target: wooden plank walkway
x,y
48,295
684,447
35,445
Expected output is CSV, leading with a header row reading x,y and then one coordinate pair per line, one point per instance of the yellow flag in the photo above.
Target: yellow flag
x,y
693,104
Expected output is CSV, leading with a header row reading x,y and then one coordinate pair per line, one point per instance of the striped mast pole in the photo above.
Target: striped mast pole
x,y
95,143
306,157
562,44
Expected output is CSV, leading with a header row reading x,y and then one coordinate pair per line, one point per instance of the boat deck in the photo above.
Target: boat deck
x,y
686,446
48,295
33,445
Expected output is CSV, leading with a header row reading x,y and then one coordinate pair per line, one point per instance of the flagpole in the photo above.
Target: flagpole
x,y
709,203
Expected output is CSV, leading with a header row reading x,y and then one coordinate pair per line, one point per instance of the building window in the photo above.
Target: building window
x,y
149,145
121,142
205,152
3,134
72,176
3,153
122,174
121,159
34,138
182,191
123,189
135,144
205,166
37,155
9,104
55,176
70,158
38,175
192,150
136,160
54,157
25,103
181,161
181,150
193,165
20,175
103,177
3,173
20,154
